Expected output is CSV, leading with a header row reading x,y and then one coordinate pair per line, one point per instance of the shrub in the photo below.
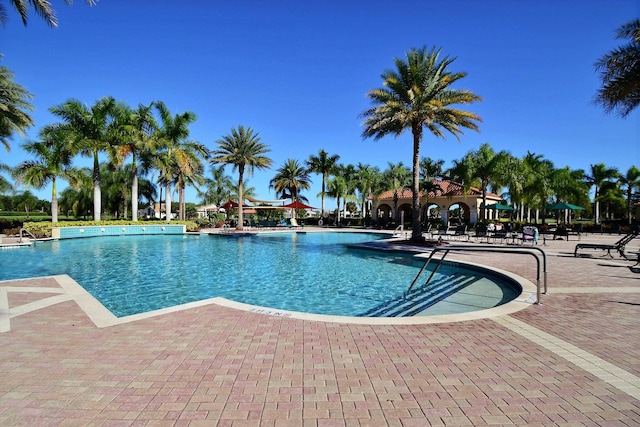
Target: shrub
x,y
43,229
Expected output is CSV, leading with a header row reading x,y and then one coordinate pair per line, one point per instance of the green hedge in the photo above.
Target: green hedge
x,y
43,229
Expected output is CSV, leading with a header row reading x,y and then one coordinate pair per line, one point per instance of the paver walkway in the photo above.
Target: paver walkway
x,y
572,360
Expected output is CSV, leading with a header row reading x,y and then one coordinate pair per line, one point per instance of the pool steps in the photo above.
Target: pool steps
x,y
419,299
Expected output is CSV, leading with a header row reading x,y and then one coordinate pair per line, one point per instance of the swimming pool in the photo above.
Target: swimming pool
x,y
307,272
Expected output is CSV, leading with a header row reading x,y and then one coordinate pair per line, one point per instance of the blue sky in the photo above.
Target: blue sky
x,y
297,72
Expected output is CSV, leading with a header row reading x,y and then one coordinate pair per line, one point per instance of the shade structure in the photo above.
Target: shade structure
x,y
562,206
498,207
297,205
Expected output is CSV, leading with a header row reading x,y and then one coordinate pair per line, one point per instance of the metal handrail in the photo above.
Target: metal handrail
x,y
31,235
489,248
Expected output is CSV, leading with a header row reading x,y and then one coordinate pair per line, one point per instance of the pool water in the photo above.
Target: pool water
x,y
308,272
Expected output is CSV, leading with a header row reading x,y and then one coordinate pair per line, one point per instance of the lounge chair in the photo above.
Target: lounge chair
x,y
617,246
294,223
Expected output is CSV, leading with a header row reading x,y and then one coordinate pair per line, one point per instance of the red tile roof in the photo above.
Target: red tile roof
x,y
449,188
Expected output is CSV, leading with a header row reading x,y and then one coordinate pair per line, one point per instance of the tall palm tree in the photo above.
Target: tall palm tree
x,y
188,170
243,150
171,133
630,180
367,181
14,104
568,186
538,183
92,133
418,95
620,72
41,7
323,164
598,175
136,131
337,187
54,156
291,178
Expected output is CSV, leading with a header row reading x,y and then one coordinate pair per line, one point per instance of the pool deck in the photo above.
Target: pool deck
x,y
572,360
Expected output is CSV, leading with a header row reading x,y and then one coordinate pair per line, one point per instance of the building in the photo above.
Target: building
x,y
450,203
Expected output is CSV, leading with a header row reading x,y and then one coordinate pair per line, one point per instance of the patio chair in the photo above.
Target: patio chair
x,y
481,232
617,246
461,231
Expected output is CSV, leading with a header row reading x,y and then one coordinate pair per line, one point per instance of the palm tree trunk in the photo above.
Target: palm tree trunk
x,y
134,192
322,197
181,199
97,195
240,224
167,202
54,202
416,233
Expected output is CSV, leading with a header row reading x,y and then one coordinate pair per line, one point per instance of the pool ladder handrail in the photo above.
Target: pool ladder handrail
x,y
31,235
488,248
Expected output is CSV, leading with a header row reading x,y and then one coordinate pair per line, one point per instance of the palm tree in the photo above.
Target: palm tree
x,y
243,150
487,167
26,201
396,178
632,181
217,188
367,181
430,170
14,104
54,156
338,190
5,185
599,174
620,72
538,182
41,7
417,95
290,179
77,200
323,164
92,134
136,128
171,135
568,186
189,170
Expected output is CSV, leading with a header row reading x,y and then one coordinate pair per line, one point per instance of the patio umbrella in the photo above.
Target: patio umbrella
x,y
562,206
498,207
297,205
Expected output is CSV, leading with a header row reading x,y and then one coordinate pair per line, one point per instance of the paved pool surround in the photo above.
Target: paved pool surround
x,y
115,230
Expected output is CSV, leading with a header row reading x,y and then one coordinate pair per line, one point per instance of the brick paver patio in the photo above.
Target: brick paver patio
x,y
572,360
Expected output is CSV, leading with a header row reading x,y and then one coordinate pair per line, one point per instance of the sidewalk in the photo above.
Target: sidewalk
x,y
572,360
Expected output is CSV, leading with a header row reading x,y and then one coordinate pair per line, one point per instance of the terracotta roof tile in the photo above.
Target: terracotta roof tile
x,y
449,188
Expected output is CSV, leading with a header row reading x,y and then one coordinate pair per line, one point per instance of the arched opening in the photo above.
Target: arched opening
x,y
459,214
